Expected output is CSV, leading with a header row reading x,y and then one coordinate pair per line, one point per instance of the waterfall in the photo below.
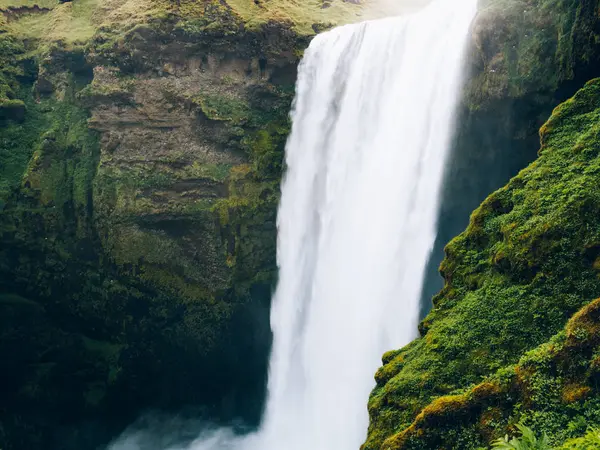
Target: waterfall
x,y
372,122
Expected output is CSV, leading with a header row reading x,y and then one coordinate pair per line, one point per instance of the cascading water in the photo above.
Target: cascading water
x,y
371,128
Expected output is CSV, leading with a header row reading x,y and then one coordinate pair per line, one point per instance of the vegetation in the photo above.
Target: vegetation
x,y
70,22
529,256
11,66
77,21
141,150
531,46
134,266
527,441
302,14
590,441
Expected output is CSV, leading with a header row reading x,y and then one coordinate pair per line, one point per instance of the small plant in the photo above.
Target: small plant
x,y
527,441
590,441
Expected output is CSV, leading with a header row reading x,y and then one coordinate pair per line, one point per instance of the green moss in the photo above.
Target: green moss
x,y
63,164
513,278
531,47
107,350
216,172
161,260
119,92
134,277
265,147
17,143
12,110
11,64
223,107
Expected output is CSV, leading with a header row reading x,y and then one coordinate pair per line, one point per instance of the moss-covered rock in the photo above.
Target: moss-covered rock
x,y
525,264
525,57
13,66
137,221
522,47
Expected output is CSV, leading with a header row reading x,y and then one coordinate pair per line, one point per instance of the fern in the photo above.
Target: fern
x,y
527,441
591,441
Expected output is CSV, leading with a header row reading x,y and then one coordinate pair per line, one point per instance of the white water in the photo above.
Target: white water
x,y
371,128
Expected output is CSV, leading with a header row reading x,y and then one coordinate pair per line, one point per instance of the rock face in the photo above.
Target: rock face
x,y
491,351
138,203
141,148
523,47
526,57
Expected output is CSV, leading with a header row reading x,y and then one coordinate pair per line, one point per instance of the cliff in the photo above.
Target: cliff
x,y
512,335
141,147
525,58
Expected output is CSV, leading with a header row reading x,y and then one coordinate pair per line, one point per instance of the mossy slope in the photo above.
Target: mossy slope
x,y
525,57
527,261
77,21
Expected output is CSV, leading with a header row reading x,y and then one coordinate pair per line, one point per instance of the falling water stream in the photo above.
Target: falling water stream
x,y
372,122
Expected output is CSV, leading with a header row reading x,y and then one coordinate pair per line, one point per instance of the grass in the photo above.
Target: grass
x,y
70,22
77,21
4,4
304,13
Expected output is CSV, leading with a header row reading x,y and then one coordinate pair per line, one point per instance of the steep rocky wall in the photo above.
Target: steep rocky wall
x,y
525,58
139,189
